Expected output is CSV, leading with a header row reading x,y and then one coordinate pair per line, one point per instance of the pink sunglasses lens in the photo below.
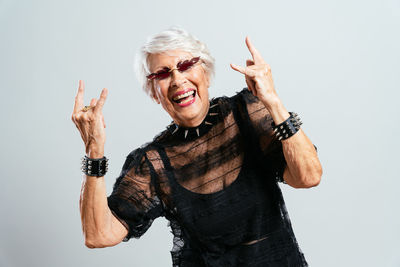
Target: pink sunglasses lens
x,y
181,66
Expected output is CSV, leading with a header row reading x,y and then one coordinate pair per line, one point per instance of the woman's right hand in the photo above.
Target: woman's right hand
x,y
90,123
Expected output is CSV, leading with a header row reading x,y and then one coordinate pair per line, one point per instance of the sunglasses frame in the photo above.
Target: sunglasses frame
x,y
166,71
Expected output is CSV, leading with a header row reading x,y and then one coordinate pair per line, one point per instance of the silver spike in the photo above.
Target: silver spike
x,y
214,105
176,129
208,123
186,132
280,138
197,131
276,129
213,114
286,135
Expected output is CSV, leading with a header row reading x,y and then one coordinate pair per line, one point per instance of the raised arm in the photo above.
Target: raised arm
x,y
303,166
100,227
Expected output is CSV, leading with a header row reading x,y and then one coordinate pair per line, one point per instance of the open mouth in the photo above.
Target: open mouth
x,y
185,98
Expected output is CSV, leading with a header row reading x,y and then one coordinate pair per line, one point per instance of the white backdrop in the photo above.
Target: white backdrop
x,y
333,62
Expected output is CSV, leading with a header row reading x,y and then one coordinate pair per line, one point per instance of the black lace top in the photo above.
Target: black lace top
x,y
218,187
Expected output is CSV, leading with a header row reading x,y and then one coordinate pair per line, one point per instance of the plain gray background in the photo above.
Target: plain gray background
x,y
336,63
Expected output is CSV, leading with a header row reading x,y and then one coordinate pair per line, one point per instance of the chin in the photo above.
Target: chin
x,y
192,117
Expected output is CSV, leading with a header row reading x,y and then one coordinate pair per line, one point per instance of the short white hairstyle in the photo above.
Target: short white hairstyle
x,y
174,38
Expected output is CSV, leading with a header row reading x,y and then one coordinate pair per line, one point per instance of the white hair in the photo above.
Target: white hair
x,y
174,38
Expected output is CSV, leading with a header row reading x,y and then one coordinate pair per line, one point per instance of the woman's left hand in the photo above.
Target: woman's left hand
x,y
258,76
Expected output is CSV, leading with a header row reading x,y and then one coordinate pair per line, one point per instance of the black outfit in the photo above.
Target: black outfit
x,y
218,187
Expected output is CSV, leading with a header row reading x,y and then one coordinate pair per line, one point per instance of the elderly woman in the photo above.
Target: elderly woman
x,y
214,172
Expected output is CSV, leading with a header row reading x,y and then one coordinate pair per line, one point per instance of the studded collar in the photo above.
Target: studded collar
x,y
190,133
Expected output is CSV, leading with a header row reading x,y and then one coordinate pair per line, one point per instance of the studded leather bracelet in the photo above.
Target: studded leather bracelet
x,y
287,128
94,167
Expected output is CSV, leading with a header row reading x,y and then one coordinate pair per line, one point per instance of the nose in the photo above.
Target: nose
x,y
177,78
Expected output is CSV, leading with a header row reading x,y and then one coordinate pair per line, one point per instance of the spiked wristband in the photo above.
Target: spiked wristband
x,y
287,128
94,167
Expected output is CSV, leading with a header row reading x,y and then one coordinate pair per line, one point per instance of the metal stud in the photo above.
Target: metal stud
x,y
208,123
214,105
213,114
186,132
176,129
197,131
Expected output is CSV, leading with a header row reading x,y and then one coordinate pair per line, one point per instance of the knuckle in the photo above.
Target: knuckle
x,y
78,117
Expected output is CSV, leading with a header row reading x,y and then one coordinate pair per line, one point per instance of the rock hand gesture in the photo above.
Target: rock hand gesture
x,y
90,122
258,76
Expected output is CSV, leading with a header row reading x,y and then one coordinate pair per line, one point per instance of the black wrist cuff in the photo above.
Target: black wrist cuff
x,y
287,128
94,167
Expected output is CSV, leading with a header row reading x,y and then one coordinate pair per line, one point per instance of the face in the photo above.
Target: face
x,y
184,95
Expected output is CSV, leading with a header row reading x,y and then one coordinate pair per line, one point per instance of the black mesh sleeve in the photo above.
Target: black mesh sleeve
x,y
133,200
271,147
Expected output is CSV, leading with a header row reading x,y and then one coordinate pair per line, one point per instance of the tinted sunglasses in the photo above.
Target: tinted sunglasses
x,y
166,72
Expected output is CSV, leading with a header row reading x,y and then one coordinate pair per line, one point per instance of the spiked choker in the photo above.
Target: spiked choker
x,y
188,133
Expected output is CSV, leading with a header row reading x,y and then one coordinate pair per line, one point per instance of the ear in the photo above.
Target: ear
x,y
207,79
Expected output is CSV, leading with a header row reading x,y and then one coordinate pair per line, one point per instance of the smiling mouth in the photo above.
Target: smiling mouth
x,y
185,97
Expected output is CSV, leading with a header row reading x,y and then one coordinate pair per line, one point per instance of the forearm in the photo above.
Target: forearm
x,y
302,160
96,216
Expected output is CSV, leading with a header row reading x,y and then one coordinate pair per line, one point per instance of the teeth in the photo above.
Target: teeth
x,y
183,95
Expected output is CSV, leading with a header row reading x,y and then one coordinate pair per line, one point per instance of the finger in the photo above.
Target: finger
x,y
245,71
101,101
102,117
79,97
238,68
93,102
249,82
257,58
250,86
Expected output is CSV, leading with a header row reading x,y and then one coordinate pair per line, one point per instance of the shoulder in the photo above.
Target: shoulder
x,y
242,97
246,96
137,157
227,103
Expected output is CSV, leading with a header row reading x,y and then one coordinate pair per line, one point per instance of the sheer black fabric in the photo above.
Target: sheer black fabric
x,y
218,187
